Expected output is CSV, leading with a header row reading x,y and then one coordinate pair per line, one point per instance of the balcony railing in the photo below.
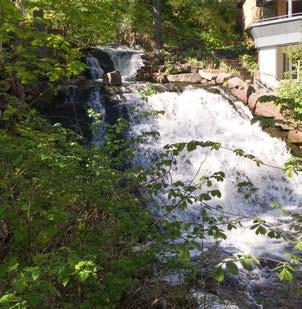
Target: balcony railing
x,y
277,31
263,20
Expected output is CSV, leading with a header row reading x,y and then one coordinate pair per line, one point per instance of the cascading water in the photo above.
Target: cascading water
x,y
197,114
96,72
96,102
125,59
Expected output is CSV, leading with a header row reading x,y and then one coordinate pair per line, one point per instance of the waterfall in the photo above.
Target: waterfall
x,y
96,102
96,72
127,60
197,114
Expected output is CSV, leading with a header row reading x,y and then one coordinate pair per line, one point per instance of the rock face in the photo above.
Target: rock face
x,y
191,78
295,137
268,109
114,78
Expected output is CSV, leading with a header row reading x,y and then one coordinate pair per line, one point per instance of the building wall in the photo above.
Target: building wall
x,y
281,7
269,66
250,12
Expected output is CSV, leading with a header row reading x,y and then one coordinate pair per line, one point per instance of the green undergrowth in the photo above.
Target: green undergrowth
x,y
68,227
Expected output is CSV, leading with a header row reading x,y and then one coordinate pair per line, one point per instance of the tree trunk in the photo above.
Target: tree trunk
x,y
157,23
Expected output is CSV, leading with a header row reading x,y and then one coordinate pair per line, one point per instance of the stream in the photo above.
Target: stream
x,y
200,114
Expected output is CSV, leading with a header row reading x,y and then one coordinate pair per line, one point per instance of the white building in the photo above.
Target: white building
x,y
273,34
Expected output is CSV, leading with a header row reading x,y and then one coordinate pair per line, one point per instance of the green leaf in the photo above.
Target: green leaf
x,y
261,230
286,275
232,268
184,255
298,246
247,264
219,274
7,298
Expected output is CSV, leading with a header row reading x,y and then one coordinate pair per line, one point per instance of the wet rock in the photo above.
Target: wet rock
x,y
213,301
114,78
295,137
223,77
185,78
103,58
269,110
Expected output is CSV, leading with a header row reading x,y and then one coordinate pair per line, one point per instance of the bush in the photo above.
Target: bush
x,y
69,227
249,62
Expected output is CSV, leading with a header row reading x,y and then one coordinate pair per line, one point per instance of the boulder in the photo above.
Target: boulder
x,y
235,82
185,78
209,74
223,77
240,89
114,78
147,77
161,78
194,69
183,68
204,82
242,93
295,137
254,98
268,109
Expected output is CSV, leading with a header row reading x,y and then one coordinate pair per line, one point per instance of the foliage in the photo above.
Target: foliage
x,y
194,61
74,232
211,21
294,55
147,91
249,62
72,227
289,98
172,68
227,68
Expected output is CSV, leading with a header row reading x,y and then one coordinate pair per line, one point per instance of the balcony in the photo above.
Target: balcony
x,y
277,31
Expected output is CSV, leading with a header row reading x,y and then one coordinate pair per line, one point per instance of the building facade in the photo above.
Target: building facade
x,y
274,25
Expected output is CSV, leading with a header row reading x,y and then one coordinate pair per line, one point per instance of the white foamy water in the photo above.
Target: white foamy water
x,y
96,102
197,114
126,60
